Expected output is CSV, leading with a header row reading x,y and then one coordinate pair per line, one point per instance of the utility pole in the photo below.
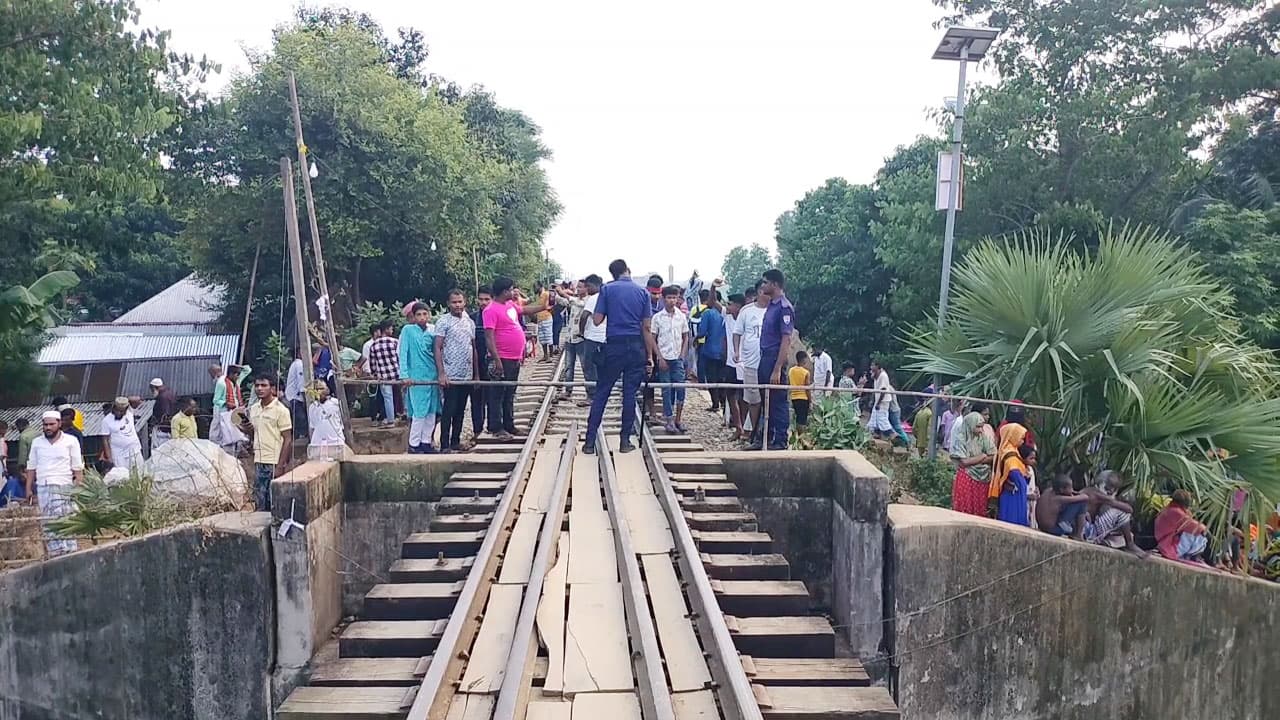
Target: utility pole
x,y
295,265
248,305
330,334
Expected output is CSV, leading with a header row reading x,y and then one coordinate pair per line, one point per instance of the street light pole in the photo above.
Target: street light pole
x,y
963,45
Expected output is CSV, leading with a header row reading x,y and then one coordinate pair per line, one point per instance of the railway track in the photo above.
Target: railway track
x,y
622,586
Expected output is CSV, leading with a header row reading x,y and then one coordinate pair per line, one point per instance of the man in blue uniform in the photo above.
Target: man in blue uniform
x,y
775,348
627,349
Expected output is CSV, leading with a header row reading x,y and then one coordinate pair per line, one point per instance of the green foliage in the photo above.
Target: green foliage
x,y
277,354
833,425
132,507
366,315
930,481
1136,344
744,265
826,250
416,185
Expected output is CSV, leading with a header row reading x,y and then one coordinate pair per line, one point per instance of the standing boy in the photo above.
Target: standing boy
x,y
801,381
479,393
456,365
670,329
324,416
184,423
504,336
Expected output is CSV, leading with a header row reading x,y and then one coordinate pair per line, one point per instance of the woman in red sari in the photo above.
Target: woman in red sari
x,y
972,452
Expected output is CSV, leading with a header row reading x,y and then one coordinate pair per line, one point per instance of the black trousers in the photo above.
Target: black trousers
x,y
502,400
453,415
479,403
802,411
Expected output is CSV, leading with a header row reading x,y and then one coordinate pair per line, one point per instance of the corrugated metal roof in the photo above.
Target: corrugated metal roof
x,y
134,328
116,347
186,301
93,415
184,376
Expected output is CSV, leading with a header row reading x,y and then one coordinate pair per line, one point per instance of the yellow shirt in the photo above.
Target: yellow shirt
x,y
269,423
800,379
544,299
184,426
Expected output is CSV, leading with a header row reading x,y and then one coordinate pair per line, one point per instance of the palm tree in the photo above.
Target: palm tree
x,y
1137,346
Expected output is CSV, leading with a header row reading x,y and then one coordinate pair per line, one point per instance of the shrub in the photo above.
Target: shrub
x,y
833,425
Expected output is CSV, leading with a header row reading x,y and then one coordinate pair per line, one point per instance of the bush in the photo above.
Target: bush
x,y
930,481
132,507
833,425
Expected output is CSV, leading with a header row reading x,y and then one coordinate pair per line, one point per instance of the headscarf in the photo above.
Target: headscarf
x,y
1008,458
976,443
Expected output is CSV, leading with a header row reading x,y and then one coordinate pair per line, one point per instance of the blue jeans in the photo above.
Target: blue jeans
x,y
388,401
623,357
779,408
895,420
262,477
672,396
575,352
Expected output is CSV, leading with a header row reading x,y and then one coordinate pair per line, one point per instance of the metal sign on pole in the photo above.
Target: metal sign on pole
x,y
331,334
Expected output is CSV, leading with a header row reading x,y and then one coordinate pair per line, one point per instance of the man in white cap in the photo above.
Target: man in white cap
x,y
123,448
56,463
166,406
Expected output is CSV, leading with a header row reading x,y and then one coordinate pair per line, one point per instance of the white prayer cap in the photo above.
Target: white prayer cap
x,y
64,406
51,415
157,382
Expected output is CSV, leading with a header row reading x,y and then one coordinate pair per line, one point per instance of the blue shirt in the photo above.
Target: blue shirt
x,y
625,305
325,364
711,328
779,321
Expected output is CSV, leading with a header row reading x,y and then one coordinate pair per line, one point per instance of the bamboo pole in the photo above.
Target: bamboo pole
x,y
295,262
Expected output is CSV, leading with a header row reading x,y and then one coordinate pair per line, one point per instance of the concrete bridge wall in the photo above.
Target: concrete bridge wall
x,y
996,621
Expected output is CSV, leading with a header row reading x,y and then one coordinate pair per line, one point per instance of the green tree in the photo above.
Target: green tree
x,y
412,193
1241,248
743,266
26,312
827,252
1136,344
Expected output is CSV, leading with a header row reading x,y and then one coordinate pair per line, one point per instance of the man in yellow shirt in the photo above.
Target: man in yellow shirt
x,y
183,424
801,381
61,404
271,428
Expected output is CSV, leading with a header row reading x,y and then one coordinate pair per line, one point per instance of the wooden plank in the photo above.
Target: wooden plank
x,y
700,705
830,703
551,618
347,703
517,559
631,472
411,601
591,555
542,479
606,706
489,654
747,598
352,672
749,543
452,544
680,648
647,524
470,706
798,672
793,637
770,566
597,655
585,482
549,710
390,638
430,570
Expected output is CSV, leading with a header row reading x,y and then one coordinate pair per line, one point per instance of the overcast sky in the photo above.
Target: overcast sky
x,y
679,129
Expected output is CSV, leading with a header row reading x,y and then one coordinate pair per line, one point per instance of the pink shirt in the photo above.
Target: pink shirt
x,y
504,320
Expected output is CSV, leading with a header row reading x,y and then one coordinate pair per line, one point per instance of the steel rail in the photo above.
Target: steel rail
x,y
737,701
655,698
514,692
430,703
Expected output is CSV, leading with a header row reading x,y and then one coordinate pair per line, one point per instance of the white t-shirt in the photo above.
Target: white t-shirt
x,y
325,421
750,321
822,370
55,461
364,351
881,385
293,384
122,435
593,332
669,329
730,327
